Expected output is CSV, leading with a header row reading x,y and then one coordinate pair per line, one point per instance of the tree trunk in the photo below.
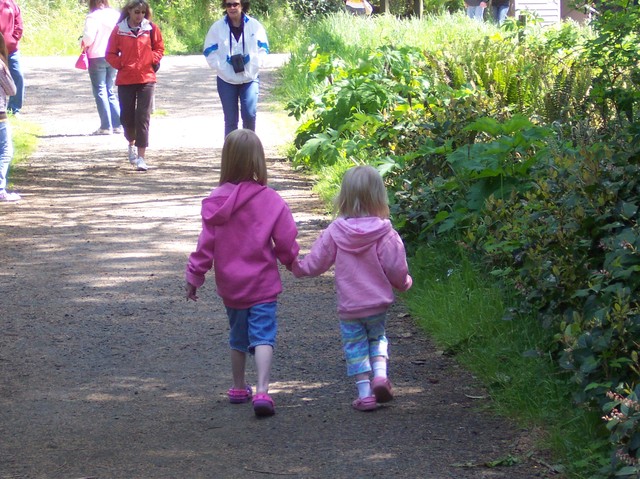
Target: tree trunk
x,y
384,6
418,8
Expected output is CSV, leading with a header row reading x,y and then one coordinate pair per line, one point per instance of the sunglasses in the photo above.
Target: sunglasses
x,y
232,5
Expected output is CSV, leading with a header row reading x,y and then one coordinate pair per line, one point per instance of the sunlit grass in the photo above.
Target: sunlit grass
x,y
52,29
25,141
328,181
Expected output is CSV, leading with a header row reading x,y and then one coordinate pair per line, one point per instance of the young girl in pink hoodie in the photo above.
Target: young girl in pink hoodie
x,y
246,229
370,261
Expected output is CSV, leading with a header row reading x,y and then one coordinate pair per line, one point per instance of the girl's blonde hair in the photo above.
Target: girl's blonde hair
x,y
243,158
362,194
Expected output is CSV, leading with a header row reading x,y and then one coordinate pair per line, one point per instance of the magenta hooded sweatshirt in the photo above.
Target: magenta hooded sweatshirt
x,y
246,229
370,260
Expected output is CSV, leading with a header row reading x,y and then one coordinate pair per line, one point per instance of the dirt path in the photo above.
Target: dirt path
x,y
106,372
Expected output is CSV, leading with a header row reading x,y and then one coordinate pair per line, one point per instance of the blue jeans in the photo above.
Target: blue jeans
x,y
251,327
477,13
15,102
500,13
103,77
6,152
247,93
356,11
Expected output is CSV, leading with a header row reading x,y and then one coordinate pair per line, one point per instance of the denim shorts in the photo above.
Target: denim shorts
x,y
251,327
363,339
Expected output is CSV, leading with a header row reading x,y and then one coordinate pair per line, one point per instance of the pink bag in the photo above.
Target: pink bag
x,y
82,62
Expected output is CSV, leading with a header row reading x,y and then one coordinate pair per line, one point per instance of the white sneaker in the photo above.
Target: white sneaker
x,y
118,130
101,131
141,165
6,196
133,154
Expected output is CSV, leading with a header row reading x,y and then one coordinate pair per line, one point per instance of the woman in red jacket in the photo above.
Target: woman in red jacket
x,y
135,50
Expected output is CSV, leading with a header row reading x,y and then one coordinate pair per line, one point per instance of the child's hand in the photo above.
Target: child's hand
x,y
191,292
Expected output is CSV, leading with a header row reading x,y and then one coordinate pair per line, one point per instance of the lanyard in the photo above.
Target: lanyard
x,y
231,37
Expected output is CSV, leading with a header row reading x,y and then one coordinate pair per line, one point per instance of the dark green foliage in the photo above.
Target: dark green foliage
x,y
315,8
615,53
404,8
260,7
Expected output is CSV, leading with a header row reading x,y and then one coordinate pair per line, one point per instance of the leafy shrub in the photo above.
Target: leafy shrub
x,y
623,420
315,8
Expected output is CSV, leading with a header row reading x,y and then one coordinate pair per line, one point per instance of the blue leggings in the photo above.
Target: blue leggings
x,y
363,339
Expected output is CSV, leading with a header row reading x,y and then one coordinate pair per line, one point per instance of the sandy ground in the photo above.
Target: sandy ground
x,y
107,372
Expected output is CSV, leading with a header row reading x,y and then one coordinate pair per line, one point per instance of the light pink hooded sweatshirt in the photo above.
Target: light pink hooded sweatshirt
x,y
370,261
246,228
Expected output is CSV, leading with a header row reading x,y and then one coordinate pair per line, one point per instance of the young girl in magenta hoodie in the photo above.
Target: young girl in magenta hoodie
x,y
246,229
370,261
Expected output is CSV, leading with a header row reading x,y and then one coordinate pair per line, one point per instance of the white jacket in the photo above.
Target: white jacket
x,y
97,28
218,50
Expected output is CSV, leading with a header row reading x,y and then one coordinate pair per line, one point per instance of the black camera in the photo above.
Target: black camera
x,y
237,61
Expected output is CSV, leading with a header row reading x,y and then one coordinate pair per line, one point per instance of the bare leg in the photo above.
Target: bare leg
x,y
238,359
263,357
141,152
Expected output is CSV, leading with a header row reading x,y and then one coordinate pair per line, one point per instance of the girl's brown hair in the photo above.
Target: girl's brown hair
x,y
243,158
136,4
362,194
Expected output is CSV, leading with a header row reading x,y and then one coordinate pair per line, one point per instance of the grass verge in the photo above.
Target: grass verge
x,y
464,311
25,141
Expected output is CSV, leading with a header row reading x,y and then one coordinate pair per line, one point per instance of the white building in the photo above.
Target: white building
x,y
551,11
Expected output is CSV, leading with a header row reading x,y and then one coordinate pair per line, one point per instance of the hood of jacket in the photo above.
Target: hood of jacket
x,y
125,29
355,235
227,199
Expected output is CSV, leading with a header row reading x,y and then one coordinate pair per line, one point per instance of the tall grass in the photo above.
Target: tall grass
x,y
466,313
350,38
54,27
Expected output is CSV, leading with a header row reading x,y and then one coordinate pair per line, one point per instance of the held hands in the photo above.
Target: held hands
x,y
190,292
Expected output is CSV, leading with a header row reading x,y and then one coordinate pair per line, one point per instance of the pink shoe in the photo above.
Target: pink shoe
x,y
263,405
382,389
365,404
239,396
